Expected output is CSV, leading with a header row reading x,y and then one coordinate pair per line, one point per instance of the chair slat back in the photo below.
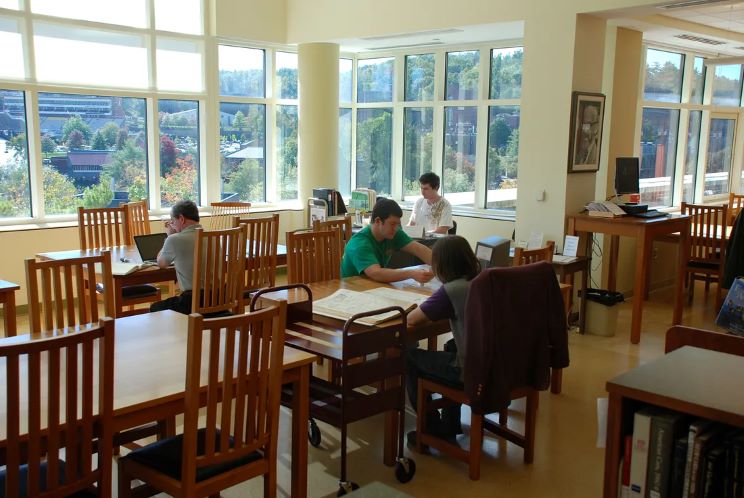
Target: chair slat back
x,y
243,356
735,204
263,238
99,228
313,256
528,256
224,212
708,231
62,411
219,264
342,224
678,336
62,293
138,219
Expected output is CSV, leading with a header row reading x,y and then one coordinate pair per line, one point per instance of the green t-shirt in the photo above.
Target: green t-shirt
x,y
363,251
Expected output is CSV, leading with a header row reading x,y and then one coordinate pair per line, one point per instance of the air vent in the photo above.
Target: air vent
x,y
688,3
430,32
410,45
700,39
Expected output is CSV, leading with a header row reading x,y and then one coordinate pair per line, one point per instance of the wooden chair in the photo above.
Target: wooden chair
x,y
260,262
240,360
7,299
540,335
678,336
313,256
59,413
223,213
735,204
343,224
526,256
102,228
706,255
219,265
138,219
59,295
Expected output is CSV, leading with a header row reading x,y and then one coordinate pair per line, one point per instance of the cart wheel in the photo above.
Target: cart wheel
x,y
346,487
405,469
313,433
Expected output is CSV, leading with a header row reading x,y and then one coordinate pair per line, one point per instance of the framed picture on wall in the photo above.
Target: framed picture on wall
x,y
587,115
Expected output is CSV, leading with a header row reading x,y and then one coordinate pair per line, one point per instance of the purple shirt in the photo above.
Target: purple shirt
x,y
438,306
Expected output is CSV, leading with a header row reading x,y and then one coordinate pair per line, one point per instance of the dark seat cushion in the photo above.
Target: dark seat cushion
x,y
131,291
42,481
165,457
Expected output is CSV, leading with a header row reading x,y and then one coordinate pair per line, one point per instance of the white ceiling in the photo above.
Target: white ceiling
x,y
721,21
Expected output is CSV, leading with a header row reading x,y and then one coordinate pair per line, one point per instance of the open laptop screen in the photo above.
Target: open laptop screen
x,y
150,245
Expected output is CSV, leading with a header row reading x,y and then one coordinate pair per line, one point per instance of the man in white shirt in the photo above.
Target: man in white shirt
x,y
432,211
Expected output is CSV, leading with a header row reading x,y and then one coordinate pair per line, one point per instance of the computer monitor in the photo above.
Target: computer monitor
x,y
627,175
493,252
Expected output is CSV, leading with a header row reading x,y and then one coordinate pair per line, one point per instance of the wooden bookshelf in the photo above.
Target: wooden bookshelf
x,y
698,382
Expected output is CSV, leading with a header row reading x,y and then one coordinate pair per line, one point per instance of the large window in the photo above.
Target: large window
x,y
462,75
11,41
243,152
374,149
506,73
94,150
15,191
503,155
663,76
658,154
687,132
375,80
179,151
241,71
286,143
420,77
460,132
418,129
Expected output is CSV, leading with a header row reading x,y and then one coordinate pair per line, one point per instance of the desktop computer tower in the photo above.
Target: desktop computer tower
x,y
493,252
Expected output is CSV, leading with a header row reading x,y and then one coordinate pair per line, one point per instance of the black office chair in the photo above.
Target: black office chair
x,y
453,230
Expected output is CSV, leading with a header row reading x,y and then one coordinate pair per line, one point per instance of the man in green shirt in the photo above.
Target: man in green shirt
x,y
368,252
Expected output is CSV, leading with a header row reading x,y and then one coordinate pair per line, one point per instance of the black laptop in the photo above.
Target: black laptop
x,y
651,213
149,246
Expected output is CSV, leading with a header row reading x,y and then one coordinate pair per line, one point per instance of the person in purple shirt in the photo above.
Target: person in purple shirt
x,y
455,265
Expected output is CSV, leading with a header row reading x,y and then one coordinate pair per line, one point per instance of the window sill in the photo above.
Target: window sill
x,y
464,212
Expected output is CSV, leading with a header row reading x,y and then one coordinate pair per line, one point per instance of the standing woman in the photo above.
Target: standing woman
x,y
455,265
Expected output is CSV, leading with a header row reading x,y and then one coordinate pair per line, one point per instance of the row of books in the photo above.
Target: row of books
x,y
672,455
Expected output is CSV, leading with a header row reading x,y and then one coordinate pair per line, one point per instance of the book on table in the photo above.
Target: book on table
x,y
119,268
345,303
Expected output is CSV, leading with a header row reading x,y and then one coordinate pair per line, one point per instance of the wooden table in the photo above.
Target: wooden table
x,y
644,230
7,299
323,344
150,275
695,381
150,373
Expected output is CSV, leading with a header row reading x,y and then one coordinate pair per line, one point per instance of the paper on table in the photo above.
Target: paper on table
x,y
121,268
432,285
344,303
536,240
483,252
570,245
415,232
318,213
562,258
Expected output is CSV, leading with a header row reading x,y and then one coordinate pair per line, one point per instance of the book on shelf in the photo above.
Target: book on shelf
x,y
731,316
711,478
702,444
665,427
345,303
639,454
625,466
696,428
679,459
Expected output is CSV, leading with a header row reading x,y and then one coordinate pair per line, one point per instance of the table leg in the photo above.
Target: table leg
x,y
639,287
118,299
300,414
584,287
683,250
9,314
